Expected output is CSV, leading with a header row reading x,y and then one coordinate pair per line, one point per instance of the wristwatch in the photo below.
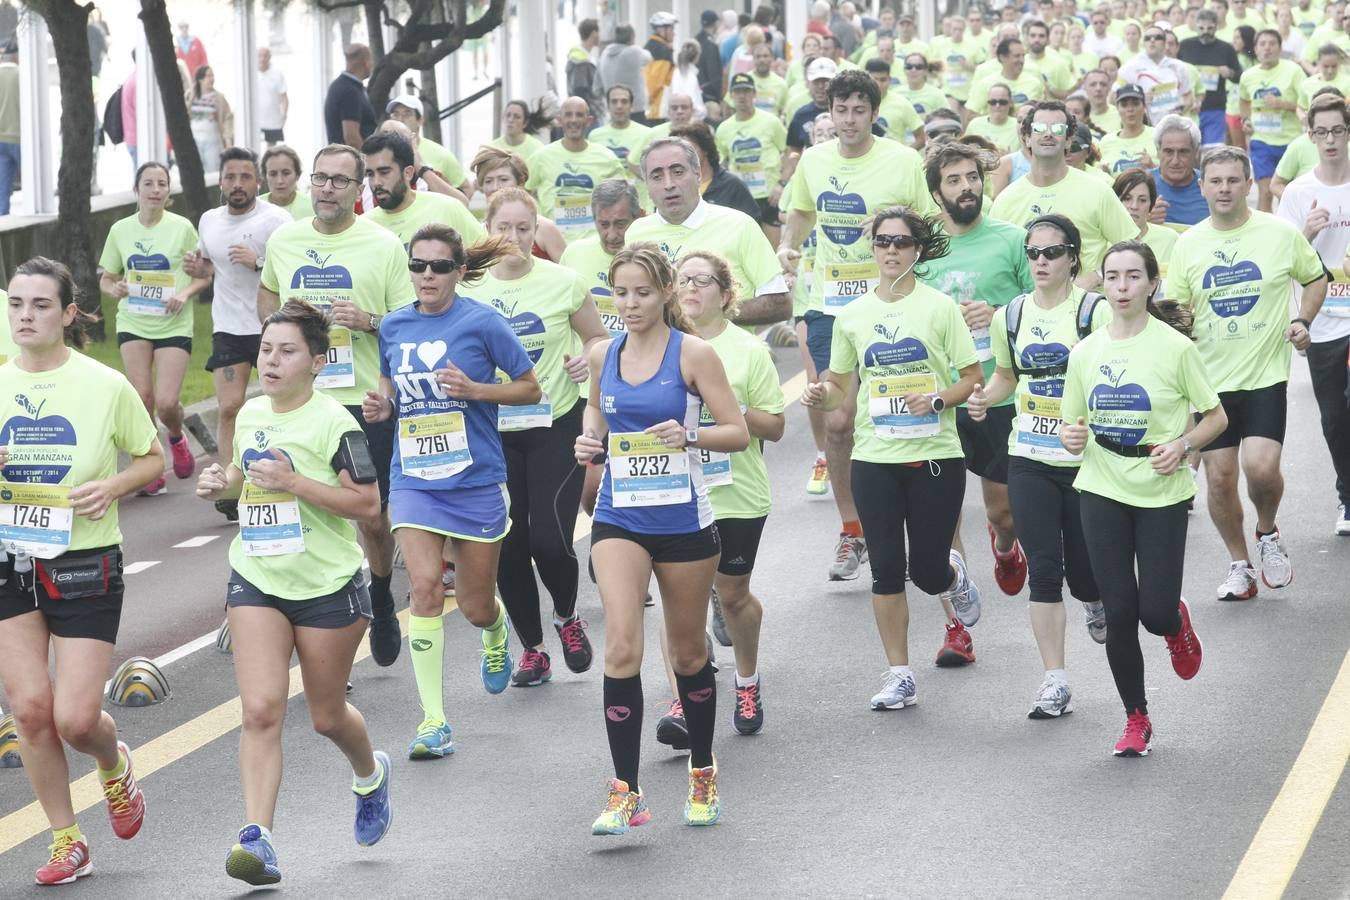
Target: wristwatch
x,y
691,436
422,171
1185,446
937,402
1304,322
258,264
374,323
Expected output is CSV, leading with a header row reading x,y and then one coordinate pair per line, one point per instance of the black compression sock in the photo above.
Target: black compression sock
x,y
698,696
623,725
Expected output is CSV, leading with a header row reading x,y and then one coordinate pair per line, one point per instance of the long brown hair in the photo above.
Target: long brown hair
x,y
476,259
1169,312
67,292
662,274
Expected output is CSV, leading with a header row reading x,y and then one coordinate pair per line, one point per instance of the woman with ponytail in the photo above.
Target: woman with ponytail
x,y
1128,393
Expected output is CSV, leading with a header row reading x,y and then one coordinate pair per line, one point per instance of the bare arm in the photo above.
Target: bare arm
x,y
268,303
351,133
764,310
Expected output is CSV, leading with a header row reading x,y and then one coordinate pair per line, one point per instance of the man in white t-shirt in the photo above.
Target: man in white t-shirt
x,y
230,248
1319,204
1098,40
273,102
1165,81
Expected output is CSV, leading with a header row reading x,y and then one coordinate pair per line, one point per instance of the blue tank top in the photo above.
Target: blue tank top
x,y
632,408
1020,166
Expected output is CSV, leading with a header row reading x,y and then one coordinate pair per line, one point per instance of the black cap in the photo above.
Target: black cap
x,y
741,80
709,17
1129,92
1082,137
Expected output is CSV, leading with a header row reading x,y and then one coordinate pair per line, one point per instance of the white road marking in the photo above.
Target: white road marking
x,y
137,568
200,540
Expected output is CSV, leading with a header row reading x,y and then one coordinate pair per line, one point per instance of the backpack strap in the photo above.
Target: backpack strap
x,y
1087,308
1014,322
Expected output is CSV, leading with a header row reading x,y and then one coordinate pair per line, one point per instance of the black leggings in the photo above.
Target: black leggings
x,y
1045,510
924,501
1119,538
1327,365
545,483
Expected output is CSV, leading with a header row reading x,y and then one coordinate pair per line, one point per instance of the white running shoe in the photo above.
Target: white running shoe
x,y
849,553
965,597
1095,614
897,692
1276,569
1240,583
1342,520
1052,700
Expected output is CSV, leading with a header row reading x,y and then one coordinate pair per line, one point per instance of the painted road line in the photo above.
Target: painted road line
x,y
1279,844
137,568
200,540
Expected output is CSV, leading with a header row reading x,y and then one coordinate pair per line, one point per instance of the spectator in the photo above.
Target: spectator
x,y
730,26
709,58
212,120
659,70
129,112
581,70
622,63
819,21
684,79
9,122
845,28
273,102
743,58
189,48
347,114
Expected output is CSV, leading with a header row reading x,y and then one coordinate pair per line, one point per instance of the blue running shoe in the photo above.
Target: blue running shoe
x,y
373,813
496,667
252,860
432,741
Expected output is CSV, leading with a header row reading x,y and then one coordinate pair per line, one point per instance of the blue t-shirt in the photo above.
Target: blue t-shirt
x,y
1185,205
435,428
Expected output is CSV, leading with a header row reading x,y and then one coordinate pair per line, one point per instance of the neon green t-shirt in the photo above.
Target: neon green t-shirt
x,y
563,181
751,150
427,209
525,149
1136,391
1314,83
1242,305
924,100
66,426
754,381
1006,136
625,143
1108,121
1120,153
1053,68
1162,240
1085,199
300,206
151,260
8,349
1300,158
1276,127
587,257
902,347
771,93
1082,63
844,192
442,160
897,118
309,437
539,305
1027,88
364,264
956,79
806,264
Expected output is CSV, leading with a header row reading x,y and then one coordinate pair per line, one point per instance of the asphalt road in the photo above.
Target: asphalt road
x,y
960,796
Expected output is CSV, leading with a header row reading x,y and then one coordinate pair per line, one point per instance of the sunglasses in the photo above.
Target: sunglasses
x,y
898,241
1058,129
915,67
993,102
1054,251
1154,37
438,266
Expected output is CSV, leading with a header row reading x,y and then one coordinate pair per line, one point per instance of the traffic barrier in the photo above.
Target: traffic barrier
x,y
9,744
224,643
138,682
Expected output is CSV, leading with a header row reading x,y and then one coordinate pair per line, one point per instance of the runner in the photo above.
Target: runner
x,y
142,265
1235,270
999,126
281,167
1163,80
907,471
752,142
549,309
847,180
895,115
623,136
657,519
390,175
563,174
515,136
407,109
1138,192
1131,146
1268,100
355,271
234,235
1134,482
64,588
1031,338
495,169
300,469
448,475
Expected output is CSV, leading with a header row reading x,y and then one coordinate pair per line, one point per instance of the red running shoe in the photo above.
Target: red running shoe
x,y
957,648
126,804
183,463
1185,646
69,861
1138,737
1010,569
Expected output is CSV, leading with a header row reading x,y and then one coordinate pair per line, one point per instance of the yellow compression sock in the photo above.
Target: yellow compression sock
x,y
426,639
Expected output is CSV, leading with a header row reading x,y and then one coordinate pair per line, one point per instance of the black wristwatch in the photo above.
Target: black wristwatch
x,y
936,401
1304,322
424,170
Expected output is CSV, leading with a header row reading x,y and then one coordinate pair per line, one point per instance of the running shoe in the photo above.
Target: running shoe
x,y
1184,646
229,509
373,813
432,741
1276,569
126,803
577,653
818,485
702,806
748,715
672,730
496,665
623,810
534,669
1342,520
1052,700
69,860
183,463
849,553
897,692
159,486
1138,737
965,597
448,579
719,625
647,601
386,638
958,649
1095,616
1240,583
252,860
1010,569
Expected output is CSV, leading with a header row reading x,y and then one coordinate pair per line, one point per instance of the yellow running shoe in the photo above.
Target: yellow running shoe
x,y
819,483
625,809
702,807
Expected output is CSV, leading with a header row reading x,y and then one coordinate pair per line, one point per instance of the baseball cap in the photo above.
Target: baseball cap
x,y
709,17
821,68
905,17
407,100
1129,92
1082,138
661,20
741,80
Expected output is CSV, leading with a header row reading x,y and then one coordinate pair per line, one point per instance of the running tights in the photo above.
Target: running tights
x,y
1050,528
923,500
1327,364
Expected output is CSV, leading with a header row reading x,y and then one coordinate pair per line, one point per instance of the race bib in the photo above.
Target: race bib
x,y
845,281
518,418
340,370
35,519
1337,304
1038,421
752,176
891,417
609,314
1267,122
984,345
573,215
269,522
716,468
433,446
148,293
1209,77
1164,100
645,472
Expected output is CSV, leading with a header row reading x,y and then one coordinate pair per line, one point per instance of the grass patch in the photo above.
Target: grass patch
x,y
197,385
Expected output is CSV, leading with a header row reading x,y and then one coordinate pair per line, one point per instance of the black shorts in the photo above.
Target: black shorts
x,y
740,544
336,610
95,616
664,548
179,343
232,349
985,444
380,439
273,135
1257,413
768,213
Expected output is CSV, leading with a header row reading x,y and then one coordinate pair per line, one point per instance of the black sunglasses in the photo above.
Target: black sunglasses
x,y
1054,251
993,102
439,266
898,241
915,67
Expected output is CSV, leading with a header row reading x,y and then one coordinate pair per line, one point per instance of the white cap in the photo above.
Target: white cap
x,y
661,20
407,100
821,68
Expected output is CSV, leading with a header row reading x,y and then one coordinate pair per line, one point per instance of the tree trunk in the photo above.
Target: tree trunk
x,y
431,101
439,40
159,36
67,22
375,28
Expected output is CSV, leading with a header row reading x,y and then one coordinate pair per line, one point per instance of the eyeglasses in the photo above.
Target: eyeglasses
x,y
702,279
319,179
1320,134
915,67
1058,129
898,241
438,266
1155,37
1054,251
993,102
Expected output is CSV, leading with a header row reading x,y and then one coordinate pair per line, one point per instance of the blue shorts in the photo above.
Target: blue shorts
x,y
819,336
1213,127
1265,158
472,514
